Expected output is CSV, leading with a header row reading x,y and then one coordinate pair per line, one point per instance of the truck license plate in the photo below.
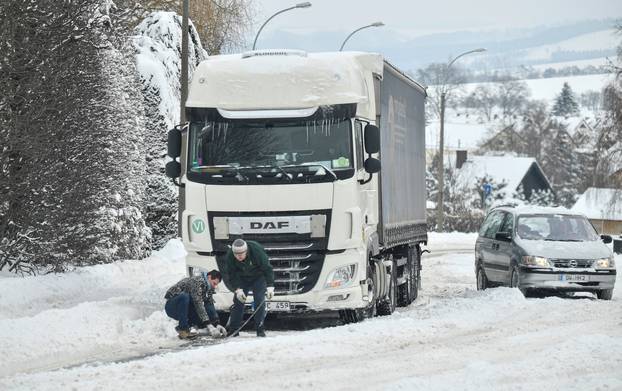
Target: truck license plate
x,y
278,306
574,277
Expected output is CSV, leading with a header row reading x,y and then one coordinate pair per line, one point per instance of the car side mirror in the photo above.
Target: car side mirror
x,y
504,236
606,239
372,139
174,143
173,169
372,165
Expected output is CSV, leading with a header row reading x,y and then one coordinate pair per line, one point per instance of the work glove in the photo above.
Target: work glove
x,y
270,293
222,331
239,293
217,332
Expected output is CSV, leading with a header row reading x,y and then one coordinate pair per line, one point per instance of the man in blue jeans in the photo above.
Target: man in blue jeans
x,y
249,270
190,302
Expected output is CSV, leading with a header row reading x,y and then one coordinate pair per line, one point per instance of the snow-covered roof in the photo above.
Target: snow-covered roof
x,y
508,169
284,79
600,204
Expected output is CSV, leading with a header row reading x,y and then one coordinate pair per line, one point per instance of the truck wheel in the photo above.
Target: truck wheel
x,y
407,292
358,315
605,294
387,305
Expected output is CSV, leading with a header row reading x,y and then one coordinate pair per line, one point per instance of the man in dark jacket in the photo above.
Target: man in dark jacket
x,y
190,302
249,270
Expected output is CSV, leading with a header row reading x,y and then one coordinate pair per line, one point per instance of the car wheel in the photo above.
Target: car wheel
x,y
482,280
605,294
515,281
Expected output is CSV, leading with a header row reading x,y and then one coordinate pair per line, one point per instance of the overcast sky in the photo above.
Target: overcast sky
x,y
415,17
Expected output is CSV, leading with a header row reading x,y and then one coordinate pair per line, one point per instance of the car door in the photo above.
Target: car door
x,y
488,247
502,254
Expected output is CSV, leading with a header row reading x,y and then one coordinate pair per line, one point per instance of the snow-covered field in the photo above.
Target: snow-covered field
x,y
463,132
78,330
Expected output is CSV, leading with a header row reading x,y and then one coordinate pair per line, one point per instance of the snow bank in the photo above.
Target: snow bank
x,y
97,308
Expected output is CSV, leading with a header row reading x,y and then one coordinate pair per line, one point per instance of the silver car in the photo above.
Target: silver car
x,y
543,250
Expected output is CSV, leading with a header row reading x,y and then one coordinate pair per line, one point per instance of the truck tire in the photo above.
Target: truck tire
x,y
407,292
605,294
359,314
386,306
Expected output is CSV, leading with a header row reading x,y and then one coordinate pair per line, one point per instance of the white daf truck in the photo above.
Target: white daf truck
x,y
320,157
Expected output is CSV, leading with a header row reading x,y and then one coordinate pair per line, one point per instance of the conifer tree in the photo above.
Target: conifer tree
x,y
566,104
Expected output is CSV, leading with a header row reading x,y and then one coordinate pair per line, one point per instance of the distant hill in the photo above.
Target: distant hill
x,y
592,39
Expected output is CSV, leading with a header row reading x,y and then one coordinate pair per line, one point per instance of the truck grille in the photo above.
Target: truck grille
x,y
572,263
296,259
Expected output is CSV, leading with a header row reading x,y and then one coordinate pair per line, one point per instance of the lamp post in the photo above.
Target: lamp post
x,y
375,24
440,214
299,5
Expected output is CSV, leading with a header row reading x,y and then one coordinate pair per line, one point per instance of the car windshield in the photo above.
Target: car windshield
x,y
262,150
555,227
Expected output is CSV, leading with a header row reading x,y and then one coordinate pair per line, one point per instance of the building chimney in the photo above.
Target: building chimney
x,y
461,157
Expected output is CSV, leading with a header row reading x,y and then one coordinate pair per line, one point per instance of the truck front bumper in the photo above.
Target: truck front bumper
x,y
318,299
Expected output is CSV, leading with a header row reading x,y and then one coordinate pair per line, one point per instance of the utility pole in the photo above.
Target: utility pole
x,y
440,213
182,110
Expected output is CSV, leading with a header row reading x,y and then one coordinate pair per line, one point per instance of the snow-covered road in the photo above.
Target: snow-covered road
x,y
64,332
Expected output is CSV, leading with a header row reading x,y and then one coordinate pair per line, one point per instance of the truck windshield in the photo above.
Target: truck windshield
x,y
565,228
269,151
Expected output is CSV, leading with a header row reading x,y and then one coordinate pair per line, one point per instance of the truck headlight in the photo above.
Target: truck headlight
x,y
531,260
341,277
604,263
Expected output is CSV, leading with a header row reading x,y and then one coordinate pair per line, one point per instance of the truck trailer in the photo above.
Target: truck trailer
x,y
319,157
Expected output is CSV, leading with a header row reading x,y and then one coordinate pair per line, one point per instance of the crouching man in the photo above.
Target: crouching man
x,y
190,302
249,270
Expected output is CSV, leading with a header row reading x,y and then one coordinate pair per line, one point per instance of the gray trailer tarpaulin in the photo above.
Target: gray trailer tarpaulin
x,y
402,152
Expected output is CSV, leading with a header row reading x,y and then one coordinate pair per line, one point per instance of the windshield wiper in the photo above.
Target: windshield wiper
x,y
240,177
268,167
563,240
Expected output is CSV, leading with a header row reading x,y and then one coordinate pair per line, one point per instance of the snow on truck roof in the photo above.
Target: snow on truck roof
x,y
283,79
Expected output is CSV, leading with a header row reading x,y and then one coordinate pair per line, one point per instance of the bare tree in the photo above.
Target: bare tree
x,y
223,25
484,100
512,97
440,79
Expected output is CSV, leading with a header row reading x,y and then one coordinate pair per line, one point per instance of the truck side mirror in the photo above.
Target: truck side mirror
x,y
174,143
606,239
173,169
372,165
372,139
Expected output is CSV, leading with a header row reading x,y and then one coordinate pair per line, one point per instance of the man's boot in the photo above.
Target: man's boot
x,y
261,332
185,333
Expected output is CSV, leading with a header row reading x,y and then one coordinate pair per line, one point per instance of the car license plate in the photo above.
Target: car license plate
x,y
278,306
574,277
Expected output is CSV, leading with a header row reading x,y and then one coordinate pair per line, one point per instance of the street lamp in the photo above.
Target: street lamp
x,y
299,5
440,215
375,24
